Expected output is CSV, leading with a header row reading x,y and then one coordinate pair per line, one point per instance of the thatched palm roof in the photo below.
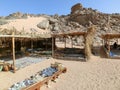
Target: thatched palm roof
x,y
25,27
69,34
111,36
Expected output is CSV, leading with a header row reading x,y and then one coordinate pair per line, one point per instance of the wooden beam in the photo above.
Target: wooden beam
x,y
13,51
69,34
19,36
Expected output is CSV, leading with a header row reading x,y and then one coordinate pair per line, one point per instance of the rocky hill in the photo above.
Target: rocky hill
x,y
79,19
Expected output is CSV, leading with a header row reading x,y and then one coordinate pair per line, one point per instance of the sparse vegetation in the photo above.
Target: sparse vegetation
x,y
3,21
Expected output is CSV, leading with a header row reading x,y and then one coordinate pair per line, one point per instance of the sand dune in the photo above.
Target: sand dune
x,y
26,24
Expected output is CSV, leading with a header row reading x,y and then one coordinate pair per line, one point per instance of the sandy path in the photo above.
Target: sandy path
x,y
93,75
96,74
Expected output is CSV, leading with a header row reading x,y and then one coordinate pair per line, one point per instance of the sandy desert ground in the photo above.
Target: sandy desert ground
x,y
96,74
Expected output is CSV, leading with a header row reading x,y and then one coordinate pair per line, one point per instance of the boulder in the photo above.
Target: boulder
x,y
52,20
43,25
76,7
56,28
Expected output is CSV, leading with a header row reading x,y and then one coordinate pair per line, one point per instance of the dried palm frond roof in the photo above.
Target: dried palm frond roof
x,y
111,36
69,34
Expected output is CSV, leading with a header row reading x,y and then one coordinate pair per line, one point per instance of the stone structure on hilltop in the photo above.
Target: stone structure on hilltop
x,y
76,7
83,15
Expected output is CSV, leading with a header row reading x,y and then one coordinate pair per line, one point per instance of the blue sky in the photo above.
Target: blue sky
x,y
51,7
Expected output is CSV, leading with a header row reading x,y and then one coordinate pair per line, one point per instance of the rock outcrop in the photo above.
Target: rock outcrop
x,y
43,25
76,7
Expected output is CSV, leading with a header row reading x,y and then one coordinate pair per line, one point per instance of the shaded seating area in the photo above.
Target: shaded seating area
x,y
42,47
15,44
82,52
24,47
111,45
68,53
39,48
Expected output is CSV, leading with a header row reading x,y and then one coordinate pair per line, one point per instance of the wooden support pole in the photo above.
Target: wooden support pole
x,y
21,45
71,42
46,44
13,50
31,44
85,47
65,41
103,42
109,47
117,41
53,46
36,43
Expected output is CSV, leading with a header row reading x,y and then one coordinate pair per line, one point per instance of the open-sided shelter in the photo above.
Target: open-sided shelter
x,y
71,54
68,53
110,49
21,31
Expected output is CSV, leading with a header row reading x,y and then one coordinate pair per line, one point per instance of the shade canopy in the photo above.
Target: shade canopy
x,y
69,34
111,36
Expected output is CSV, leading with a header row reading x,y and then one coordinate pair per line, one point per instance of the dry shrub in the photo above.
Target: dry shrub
x,y
89,41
